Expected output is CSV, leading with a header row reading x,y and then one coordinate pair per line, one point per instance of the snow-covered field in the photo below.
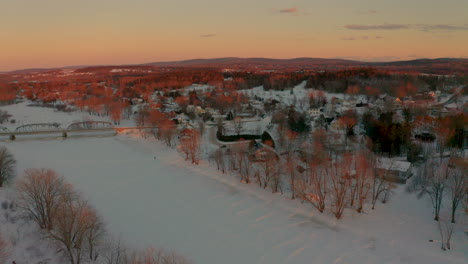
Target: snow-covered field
x,y
149,195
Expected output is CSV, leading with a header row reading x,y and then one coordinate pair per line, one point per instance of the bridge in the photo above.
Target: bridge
x,y
55,128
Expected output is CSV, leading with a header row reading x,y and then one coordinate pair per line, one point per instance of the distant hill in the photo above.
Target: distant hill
x,y
433,66
234,61
420,62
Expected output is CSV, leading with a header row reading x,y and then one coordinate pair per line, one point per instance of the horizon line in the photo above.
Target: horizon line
x,y
344,58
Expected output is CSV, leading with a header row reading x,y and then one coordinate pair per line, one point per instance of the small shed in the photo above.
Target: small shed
x,y
394,170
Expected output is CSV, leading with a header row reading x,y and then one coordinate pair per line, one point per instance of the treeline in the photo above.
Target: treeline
x,y
371,82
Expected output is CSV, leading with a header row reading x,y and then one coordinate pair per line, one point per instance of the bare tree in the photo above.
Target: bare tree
x,y
443,131
201,126
220,125
465,201
239,160
7,166
276,176
220,162
291,168
237,125
190,144
379,183
247,169
5,250
166,131
116,253
41,191
317,177
457,183
217,157
435,181
446,230
312,187
156,256
340,173
292,161
95,236
362,179
76,229
269,167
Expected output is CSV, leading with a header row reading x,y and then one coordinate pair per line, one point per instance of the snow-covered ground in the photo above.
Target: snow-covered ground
x,y
211,218
24,114
24,241
299,96
147,193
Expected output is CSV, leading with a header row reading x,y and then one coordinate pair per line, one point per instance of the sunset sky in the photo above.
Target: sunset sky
x,y
53,33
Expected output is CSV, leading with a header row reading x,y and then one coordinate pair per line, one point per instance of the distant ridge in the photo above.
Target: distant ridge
x,y
235,60
421,65
303,60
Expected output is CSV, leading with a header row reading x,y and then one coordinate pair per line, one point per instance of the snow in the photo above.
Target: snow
x,y
24,241
212,218
300,96
24,114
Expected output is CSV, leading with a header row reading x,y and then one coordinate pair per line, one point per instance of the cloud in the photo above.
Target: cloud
x,y
370,58
291,10
305,38
355,38
439,27
420,27
208,35
415,56
376,27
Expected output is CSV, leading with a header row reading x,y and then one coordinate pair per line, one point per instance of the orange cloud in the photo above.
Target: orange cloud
x,y
208,35
376,27
291,10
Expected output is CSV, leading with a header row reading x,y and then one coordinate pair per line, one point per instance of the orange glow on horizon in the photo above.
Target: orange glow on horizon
x,y
54,34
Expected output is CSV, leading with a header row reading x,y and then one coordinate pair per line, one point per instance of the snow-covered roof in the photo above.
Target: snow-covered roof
x,y
391,164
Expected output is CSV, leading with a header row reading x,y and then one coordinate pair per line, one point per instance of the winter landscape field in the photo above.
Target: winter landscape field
x,y
149,195
233,132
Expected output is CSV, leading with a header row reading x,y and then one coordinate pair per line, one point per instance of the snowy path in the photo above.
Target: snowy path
x,y
213,219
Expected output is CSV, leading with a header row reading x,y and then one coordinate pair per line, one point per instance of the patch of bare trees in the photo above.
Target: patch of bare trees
x,y
237,123
218,157
190,145
241,160
41,191
67,219
268,171
443,178
117,253
77,230
457,184
7,166
73,226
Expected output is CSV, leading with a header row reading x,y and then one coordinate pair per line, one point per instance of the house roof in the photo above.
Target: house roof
x,y
395,165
